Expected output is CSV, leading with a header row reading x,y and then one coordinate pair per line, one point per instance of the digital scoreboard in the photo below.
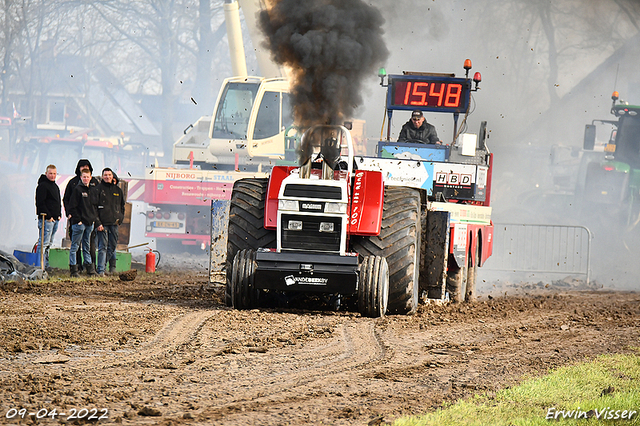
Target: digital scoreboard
x,y
429,93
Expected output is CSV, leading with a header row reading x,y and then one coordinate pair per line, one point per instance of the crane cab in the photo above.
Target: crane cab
x,y
247,126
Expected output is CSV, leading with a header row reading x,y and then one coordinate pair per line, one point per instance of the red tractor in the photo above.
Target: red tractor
x,y
372,232
291,233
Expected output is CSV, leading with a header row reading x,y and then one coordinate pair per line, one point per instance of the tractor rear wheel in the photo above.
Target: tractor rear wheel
x,y
242,291
456,280
399,243
373,291
246,223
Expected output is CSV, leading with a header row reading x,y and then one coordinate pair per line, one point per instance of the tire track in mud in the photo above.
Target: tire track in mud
x,y
263,367
278,380
102,370
247,380
180,331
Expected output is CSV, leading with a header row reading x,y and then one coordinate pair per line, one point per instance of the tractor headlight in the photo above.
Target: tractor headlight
x,y
326,226
294,225
291,205
335,208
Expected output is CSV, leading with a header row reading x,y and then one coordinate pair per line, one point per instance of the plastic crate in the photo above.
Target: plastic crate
x,y
29,258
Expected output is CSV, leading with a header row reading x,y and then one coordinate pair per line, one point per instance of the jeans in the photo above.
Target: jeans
x,y
80,234
50,228
107,242
92,249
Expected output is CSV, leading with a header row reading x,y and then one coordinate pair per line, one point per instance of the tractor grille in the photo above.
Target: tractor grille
x,y
310,238
313,191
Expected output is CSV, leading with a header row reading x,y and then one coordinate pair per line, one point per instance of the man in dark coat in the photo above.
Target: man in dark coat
x,y
110,214
82,214
418,130
83,164
48,209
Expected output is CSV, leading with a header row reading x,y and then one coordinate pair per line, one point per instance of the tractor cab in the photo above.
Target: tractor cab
x,y
626,139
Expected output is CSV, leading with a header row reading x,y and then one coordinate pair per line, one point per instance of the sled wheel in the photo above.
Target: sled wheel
x,y
472,275
456,280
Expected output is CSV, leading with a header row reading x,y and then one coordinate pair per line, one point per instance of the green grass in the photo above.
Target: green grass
x,y
578,387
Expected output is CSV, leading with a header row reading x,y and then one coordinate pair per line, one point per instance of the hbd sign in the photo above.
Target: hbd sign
x,y
454,179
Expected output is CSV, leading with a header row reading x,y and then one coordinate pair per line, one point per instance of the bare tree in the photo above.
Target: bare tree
x,y
152,47
154,31
10,31
32,17
49,30
547,40
207,39
534,53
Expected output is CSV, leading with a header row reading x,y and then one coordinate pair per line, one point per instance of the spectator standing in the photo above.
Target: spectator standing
x,y
83,164
110,215
82,214
48,209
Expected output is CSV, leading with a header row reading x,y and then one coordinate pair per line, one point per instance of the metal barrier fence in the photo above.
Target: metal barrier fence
x,y
552,249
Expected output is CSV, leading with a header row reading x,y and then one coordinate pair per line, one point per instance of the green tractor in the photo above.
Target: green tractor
x,y
609,175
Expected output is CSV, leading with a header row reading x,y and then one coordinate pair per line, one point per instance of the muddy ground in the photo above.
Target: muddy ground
x,y
163,349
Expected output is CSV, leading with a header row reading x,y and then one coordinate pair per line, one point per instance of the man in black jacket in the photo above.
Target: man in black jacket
x,y
418,130
83,164
82,214
48,209
110,215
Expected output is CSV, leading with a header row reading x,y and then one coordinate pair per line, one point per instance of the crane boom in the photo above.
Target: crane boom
x,y
234,34
268,68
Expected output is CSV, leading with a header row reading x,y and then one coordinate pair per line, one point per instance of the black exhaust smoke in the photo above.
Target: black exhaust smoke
x,y
330,46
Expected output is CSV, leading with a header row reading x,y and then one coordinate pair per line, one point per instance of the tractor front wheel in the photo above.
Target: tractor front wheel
x,y
246,223
243,295
398,243
373,291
